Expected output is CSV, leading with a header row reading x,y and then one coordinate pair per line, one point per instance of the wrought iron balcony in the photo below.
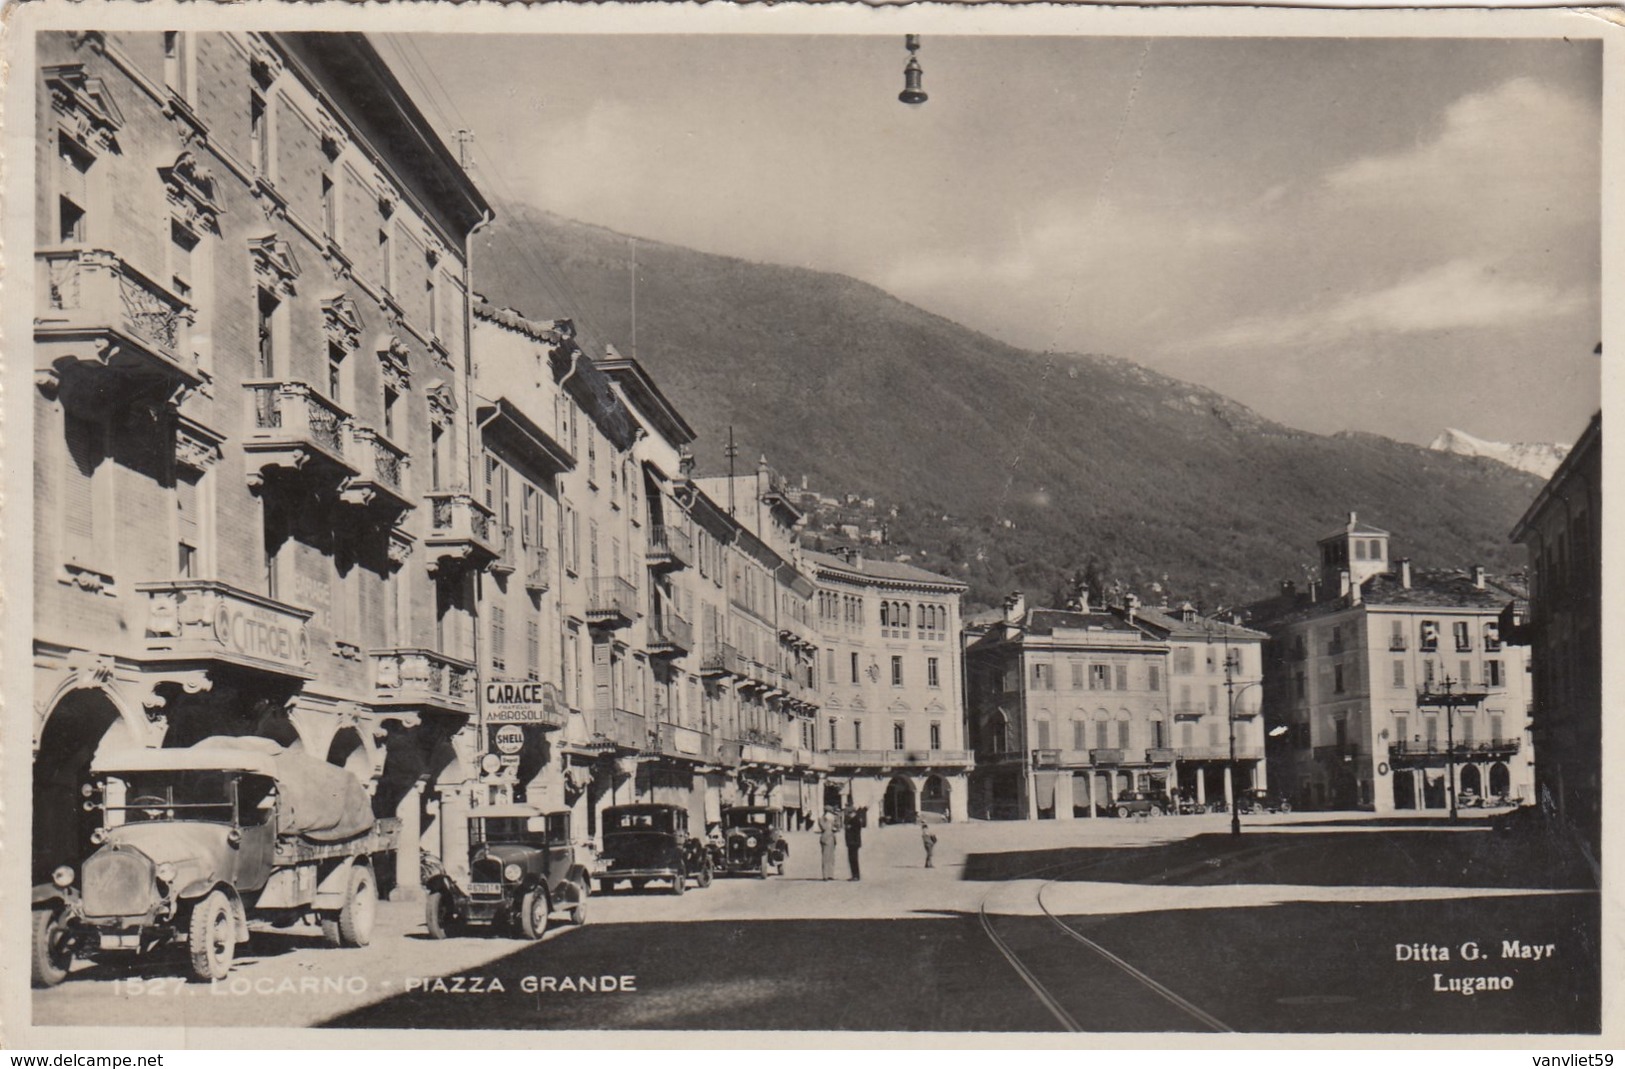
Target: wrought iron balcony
x,y
611,602
422,679
670,634
1189,711
461,534
902,758
721,659
538,576
622,729
1437,750
293,427
94,295
669,547
382,472
204,620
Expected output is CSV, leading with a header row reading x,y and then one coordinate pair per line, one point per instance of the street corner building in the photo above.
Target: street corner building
x,y
1069,709
253,507
1398,688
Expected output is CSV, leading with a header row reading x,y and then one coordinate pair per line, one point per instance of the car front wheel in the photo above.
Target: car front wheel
x,y
578,910
212,939
679,882
52,954
533,912
439,917
1122,812
1286,807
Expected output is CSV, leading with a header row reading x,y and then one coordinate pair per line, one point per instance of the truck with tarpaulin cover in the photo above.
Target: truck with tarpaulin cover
x,y
197,843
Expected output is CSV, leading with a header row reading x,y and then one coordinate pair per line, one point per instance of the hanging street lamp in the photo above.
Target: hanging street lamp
x,y
913,74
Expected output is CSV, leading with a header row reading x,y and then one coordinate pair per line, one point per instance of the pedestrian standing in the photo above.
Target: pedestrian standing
x,y
929,837
854,840
826,841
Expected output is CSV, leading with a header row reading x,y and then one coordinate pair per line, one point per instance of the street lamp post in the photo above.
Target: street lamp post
x,y
1231,690
1447,697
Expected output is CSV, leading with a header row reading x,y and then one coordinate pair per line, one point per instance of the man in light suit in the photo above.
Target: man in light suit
x,y
828,827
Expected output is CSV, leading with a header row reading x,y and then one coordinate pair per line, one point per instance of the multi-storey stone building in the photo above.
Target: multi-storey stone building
x,y
893,721
1563,532
252,498
1387,678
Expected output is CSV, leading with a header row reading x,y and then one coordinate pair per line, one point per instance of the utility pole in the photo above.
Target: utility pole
x,y
731,451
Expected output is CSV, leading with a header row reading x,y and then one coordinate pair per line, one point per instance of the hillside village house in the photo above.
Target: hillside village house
x,y
1357,672
253,507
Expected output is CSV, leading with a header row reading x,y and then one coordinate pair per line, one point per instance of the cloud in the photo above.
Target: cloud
x,y
1462,294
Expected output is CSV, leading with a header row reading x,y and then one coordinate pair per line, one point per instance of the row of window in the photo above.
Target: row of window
x,y
856,671
1094,676
899,735
1492,676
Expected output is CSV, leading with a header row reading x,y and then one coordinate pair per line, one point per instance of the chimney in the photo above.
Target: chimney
x,y
1314,591
1187,612
1355,593
1015,607
1343,583
1081,595
1405,572
1354,521
1132,603
1478,576
685,464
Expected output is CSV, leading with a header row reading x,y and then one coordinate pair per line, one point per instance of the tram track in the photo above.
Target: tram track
x,y
1047,996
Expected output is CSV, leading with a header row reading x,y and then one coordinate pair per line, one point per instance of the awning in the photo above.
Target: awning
x,y
1044,784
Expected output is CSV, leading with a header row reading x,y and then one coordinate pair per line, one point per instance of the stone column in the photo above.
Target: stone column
x,y
1201,785
1063,795
410,812
1229,790
1030,792
454,833
959,799
1089,793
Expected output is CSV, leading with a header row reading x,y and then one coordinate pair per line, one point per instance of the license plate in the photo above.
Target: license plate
x,y
485,888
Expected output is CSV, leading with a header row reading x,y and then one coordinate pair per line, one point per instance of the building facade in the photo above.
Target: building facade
x,y
1389,680
892,724
1563,532
253,508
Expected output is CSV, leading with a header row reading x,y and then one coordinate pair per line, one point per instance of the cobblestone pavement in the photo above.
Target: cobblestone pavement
x,y
798,952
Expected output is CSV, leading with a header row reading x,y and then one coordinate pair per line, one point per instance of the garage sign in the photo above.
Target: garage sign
x,y
522,702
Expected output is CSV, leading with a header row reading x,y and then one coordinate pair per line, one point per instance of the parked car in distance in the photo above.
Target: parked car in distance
x,y
649,841
522,869
754,840
1261,800
1142,803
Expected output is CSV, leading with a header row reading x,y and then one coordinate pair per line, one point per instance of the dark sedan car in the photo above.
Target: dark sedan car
x,y
1142,803
522,869
1259,800
650,842
754,840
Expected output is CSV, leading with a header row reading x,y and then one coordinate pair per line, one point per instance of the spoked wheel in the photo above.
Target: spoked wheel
x,y
1122,812
212,939
52,950
533,913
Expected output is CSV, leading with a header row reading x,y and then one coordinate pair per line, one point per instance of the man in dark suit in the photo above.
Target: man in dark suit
x,y
854,839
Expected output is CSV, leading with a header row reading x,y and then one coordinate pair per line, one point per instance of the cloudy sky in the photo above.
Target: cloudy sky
x,y
1381,235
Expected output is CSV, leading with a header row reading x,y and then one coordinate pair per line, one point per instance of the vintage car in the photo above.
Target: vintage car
x,y
1141,803
1260,800
522,869
650,841
198,842
753,840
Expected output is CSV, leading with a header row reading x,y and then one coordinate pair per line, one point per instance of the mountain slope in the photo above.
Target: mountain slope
x,y
1536,458
1086,456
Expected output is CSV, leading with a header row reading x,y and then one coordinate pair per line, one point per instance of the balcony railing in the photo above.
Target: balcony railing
x,y
1161,755
381,470
674,740
759,754
199,619
1107,756
626,730
1189,711
538,576
86,293
1244,752
422,678
669,547
670,634
507,558
461,531
292,424
729,752
1437,748
722,659
611,602
900,758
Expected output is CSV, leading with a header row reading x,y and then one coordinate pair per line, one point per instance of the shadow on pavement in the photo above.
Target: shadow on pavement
x,y
1407,858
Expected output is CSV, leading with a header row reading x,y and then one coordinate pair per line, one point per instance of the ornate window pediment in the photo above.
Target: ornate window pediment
x,y
263,61
334,136
388,198
442,401
395,360
341,322
274,264
84,105
196,446
191,191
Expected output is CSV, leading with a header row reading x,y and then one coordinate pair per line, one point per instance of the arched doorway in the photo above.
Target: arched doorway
x,y
348,752
1500,780
934,796
898,806
1469,780
79,725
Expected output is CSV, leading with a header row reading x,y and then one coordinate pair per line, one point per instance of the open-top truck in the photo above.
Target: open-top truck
x,y
197,843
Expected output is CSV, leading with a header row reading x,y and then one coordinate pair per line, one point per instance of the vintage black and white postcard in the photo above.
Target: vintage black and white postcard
x,y
753,520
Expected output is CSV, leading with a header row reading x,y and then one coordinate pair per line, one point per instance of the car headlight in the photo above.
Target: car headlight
x,y
62,876
750,841
98,836
512,873
165,872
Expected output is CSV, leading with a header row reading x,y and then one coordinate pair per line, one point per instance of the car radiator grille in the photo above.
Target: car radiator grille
x,y
118,883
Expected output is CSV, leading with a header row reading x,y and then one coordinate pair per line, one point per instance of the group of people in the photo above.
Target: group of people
x,y
832,823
